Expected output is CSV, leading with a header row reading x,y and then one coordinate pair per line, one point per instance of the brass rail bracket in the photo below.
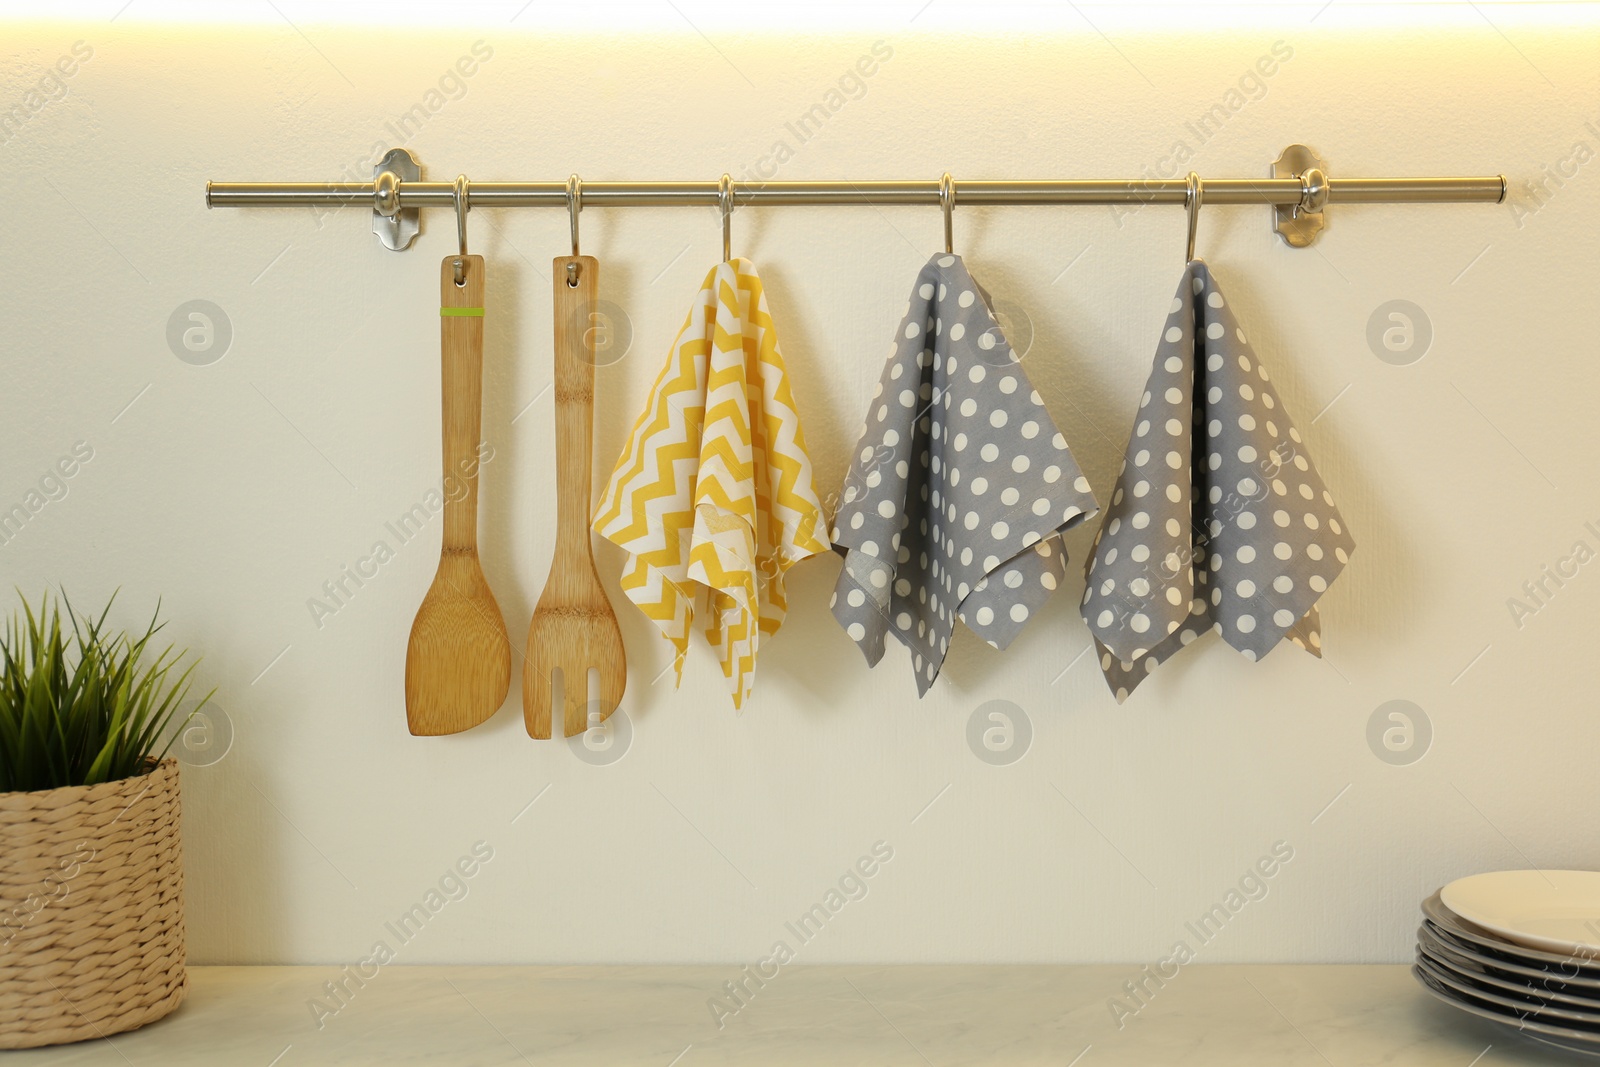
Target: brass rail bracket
x,y
1299,224
394,225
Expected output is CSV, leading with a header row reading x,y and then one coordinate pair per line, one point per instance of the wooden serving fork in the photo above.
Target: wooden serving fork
x,y
574,628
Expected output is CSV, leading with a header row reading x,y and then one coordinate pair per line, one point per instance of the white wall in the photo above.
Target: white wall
x,y
234,490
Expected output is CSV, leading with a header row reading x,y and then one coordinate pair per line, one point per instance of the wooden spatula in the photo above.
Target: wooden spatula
x,y
574,628
458,662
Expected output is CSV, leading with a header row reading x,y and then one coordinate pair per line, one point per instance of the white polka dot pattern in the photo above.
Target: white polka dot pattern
x,y
960,487
1238,535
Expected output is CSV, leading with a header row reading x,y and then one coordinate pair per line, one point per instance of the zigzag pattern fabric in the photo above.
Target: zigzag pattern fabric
x,y
713,497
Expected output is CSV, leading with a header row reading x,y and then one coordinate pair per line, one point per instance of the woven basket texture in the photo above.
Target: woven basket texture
x,y
91,909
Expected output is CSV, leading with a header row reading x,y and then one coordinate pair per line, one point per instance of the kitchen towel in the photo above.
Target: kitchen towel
x,y
1219,520
959,486
713,499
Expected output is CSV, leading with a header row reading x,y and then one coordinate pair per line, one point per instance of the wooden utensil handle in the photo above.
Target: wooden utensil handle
x,y
461,360
574,382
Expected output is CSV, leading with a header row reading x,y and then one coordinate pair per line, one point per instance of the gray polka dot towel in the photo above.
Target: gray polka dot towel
x,y
959,486
1219,520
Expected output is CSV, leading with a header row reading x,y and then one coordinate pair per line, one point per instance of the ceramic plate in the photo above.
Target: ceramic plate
x,y
1524,1010
1453,924
1552,981
1571,1040
1477,975
1555,911
1505,953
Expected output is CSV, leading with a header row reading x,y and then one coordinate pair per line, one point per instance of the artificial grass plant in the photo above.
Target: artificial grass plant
x,y
80,704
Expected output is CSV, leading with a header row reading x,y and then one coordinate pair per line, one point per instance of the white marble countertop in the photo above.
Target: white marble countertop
x,y
916,1016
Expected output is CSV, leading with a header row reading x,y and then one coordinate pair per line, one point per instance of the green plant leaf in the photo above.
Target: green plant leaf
x,y
81,703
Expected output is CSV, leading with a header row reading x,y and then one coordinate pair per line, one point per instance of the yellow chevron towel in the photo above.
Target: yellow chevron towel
x,y
713,498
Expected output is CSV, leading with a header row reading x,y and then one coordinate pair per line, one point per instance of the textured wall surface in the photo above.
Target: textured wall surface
x,y
235,487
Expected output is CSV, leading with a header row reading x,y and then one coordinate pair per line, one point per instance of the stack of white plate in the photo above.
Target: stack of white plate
x,y
1520,948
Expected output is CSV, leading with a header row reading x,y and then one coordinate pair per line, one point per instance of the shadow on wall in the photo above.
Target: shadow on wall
x,y
235,842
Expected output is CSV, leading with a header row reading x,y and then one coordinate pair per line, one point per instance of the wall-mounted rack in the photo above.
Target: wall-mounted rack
x,y
1298,189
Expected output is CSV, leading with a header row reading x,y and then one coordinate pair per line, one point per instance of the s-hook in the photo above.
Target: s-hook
x,y
574,205
725,202
462,207
1193,198
947,202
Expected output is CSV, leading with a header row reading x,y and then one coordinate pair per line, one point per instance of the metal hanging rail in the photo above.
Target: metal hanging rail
x,y
1299,189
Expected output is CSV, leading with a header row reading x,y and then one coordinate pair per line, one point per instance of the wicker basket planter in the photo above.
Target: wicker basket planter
x,y
91,909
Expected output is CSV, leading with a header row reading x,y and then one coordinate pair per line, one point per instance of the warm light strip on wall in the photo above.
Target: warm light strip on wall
x,y
819,16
